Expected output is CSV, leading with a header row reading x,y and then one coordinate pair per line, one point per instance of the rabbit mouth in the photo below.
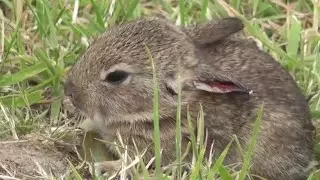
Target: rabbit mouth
x,y
72,109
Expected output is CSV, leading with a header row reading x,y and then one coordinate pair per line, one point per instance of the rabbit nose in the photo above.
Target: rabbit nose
x,y
69,88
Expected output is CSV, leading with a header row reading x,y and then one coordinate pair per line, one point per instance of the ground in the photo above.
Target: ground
x,y
26,158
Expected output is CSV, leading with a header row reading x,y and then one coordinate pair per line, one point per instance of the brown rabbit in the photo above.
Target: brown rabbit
x,y
112,83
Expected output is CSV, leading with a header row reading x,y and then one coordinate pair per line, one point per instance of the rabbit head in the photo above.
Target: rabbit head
x,y
113,79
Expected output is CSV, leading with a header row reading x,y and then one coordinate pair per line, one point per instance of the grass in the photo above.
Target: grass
x,y
156,136
41,39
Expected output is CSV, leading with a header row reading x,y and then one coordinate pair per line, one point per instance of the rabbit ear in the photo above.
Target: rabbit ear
x,y
219,84
212,80
211,32
209,80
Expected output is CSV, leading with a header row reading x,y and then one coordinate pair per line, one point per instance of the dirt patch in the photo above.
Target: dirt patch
x,y
34,157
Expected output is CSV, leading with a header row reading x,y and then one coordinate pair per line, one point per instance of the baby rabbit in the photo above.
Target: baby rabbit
x,y
112,83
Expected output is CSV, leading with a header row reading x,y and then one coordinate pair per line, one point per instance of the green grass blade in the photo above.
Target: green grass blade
x,y
156,127
196,170
178,130
10,46
248,154
224,173
98,14
182,12
42,85
18,101
74,171
133,6
23,74
315,114
166,5
294,33
51,26
192,133
236,4
204,7
200,129
38,16
218,164
42,57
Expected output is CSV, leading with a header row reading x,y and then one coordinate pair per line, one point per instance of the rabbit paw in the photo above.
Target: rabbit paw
x,y
109,170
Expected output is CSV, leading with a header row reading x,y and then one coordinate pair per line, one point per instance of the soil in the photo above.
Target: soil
x,y
24,159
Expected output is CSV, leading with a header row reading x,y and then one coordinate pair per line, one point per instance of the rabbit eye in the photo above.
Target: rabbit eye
x,y
117,77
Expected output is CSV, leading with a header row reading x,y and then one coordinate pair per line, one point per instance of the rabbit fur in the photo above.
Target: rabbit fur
x,y
229,78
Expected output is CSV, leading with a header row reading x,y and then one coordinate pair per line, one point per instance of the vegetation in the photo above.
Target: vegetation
x,y
41,39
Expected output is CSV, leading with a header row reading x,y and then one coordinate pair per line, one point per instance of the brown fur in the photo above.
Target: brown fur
x,y
204,54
